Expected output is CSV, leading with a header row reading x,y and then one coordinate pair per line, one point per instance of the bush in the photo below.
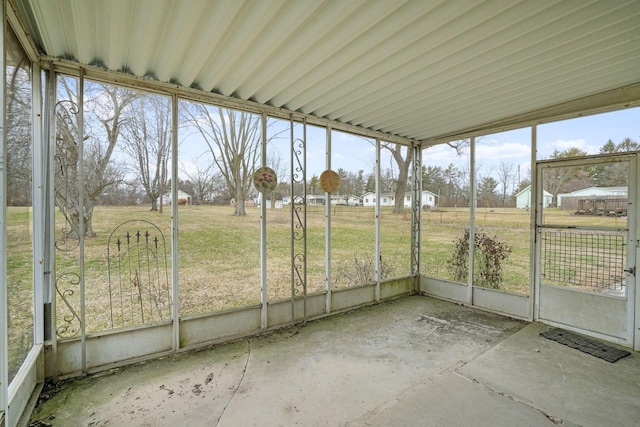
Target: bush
x,y
359,271
489,254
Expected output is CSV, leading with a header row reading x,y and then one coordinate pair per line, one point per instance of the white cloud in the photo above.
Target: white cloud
x,y
508,150
486,150
582,144
563,144
440,153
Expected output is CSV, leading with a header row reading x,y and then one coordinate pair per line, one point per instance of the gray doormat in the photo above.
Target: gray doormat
x,y
586,345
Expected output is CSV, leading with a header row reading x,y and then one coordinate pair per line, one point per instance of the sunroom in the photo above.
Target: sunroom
x,y
178,174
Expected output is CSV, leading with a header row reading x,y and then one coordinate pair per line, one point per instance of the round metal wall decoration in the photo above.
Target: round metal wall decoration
x,y
329,181
265,179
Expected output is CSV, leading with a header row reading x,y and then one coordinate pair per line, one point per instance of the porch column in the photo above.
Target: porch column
x,y
416,212
4,351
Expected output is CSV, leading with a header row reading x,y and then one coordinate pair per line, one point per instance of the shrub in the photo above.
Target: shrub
x,y
489,254
359,271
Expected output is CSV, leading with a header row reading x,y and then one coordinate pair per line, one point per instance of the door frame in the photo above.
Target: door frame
x,y
632,318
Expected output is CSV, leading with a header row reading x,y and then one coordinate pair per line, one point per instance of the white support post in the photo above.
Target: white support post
x,y
38,208
305,235
52,82
263,233
472,217
377,223
175,276
83,318
50,259
327,215
4,353
533,230
293,199
632,254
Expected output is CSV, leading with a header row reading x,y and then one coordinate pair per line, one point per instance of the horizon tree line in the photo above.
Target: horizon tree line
x,y
126,152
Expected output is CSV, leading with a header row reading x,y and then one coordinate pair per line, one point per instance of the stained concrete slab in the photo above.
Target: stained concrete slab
x,y
450,399
567,384
412,361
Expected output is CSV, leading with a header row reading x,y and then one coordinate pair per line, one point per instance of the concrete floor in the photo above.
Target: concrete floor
x,y
414,361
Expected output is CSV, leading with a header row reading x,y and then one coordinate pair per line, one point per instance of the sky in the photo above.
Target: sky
x,y
586,133
353,153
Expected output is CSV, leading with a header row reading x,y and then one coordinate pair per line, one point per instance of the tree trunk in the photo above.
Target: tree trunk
x,y
274,194
88,225
403,176
240,211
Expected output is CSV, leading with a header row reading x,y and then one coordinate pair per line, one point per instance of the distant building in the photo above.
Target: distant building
x,y
388,199
594,192
183,198
352,200
523,199
247,202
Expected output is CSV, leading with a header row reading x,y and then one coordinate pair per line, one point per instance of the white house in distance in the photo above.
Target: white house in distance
x,y
523,198
183,198
388,199
591,192
321,200
353,200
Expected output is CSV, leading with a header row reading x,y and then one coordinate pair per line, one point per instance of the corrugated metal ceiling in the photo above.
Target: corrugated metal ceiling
x,y
416,69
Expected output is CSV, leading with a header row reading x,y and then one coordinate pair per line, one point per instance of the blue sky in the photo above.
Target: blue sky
x,y
587,133
354,153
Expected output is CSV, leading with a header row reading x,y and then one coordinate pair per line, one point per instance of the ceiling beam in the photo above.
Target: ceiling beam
x,y
117,77
611,100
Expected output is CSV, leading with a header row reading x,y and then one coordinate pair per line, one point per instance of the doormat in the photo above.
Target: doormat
x,y
585,345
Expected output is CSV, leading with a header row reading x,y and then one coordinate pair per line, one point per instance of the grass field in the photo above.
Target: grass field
x,y
219,257
510,226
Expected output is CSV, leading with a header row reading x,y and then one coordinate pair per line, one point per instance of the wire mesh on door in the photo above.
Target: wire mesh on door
x,y
591,260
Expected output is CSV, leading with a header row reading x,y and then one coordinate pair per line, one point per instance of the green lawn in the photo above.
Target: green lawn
x,y
441,228
219,258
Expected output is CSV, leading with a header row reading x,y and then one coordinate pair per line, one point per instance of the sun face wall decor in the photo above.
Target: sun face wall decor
x,y
329,181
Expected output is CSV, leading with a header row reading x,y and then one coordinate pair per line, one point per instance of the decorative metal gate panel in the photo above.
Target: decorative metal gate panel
x,y
138,278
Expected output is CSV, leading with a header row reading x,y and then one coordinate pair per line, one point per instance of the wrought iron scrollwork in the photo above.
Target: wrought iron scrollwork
x,y
67,156
299,277
67,285
299,149
67,238
298,218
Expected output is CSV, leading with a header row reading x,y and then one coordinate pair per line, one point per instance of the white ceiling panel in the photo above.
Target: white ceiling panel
x,y
416,69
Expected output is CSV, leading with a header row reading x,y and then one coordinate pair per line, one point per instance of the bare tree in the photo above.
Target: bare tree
x,y
18,137
351,184
234,140
505,175
148,141
106,110
556,180
404,162
275,162
203,179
